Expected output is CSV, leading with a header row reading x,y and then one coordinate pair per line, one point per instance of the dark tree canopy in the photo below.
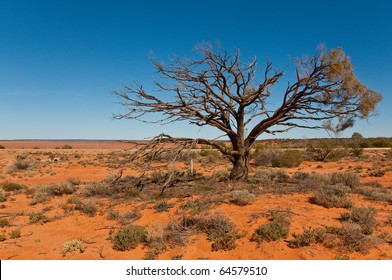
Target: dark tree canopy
x,y
220,90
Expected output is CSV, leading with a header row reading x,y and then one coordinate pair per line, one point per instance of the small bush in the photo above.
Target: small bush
x,y
102,189
2,237
2,147
314,181
66,147
265,156
365,217
162,206
278,228
129,237
42,193
242,197
4,222
87,206
348,179
220,230
15,234
331,196
308,237
112,214
220,175
289,158
10,187
21,165
35,218
73,246
353,239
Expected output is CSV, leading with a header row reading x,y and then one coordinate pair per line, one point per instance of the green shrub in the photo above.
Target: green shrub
x,y
35,218
242,197
278,228
129,237
9,186
289,158
331,196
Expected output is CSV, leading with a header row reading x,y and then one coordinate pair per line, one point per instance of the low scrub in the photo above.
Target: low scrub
x,y
42,193
288,158
277,229
11,187
242,197
330,196
38,218
129,237
162,206
4,222
87,206
364,217
307,238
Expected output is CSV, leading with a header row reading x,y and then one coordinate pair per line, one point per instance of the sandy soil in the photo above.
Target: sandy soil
x,y
46,240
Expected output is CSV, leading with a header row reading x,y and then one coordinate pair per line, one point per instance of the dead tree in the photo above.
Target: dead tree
x,y
220,90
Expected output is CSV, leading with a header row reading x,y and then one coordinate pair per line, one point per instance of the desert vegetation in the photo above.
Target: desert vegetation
x,y
83,206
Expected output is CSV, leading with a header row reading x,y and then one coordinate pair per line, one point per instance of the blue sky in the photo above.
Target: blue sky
x,y
60,60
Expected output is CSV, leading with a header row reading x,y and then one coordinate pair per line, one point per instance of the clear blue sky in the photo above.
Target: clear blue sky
x,y
59,60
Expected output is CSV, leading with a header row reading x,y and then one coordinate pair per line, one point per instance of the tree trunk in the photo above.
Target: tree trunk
x,y
240,168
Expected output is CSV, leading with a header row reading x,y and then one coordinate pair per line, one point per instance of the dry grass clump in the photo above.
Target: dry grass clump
x,y
242,197
277,228
330,196
4,222
348,179
73,246
129,237
128,217
14,234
